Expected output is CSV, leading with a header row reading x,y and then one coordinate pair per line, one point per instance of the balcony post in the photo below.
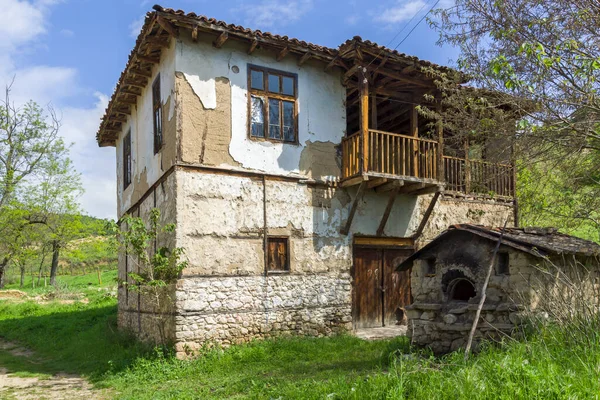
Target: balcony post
x,y
467,168
440,152
414,131
363,84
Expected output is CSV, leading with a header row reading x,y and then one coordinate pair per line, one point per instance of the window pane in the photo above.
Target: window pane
x,y
257,127
288,85
256,80
274,84
289,127
274,127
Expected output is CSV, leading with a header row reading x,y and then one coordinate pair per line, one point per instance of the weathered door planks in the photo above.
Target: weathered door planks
x,y
379,291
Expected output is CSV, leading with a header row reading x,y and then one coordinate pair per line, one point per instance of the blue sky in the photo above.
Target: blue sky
x,y
70,53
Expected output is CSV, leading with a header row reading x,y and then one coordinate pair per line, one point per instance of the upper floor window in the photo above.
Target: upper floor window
x,y
273,104
127,160
157,115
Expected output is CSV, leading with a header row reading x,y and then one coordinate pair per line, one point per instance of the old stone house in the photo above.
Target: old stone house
x,y
298,176
532,267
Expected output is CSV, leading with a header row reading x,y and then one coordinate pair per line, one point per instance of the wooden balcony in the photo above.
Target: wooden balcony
x,y
479,178
391,157
419,164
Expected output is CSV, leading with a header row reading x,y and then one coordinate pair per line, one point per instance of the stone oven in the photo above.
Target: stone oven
x,y
448,274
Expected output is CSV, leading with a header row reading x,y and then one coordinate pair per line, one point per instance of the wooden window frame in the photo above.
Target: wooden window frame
x,y
157,113
287,266
127,160
265,93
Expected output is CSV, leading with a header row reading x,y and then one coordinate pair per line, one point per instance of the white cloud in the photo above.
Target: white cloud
x,y
96,165
402,11
20,22
352,19
135,26
67,32
273,13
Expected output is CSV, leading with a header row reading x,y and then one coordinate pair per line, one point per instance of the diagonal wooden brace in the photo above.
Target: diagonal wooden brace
x,y
361,189
426,216
388,210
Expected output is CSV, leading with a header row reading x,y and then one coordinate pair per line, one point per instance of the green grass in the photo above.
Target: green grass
x,y
82,338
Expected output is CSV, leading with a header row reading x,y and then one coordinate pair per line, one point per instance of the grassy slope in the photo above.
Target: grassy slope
x,y
82,338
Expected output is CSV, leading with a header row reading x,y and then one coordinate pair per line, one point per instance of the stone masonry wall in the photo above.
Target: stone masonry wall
x,y
226,310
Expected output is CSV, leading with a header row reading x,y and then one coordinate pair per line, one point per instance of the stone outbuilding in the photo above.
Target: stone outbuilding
x,y
531,264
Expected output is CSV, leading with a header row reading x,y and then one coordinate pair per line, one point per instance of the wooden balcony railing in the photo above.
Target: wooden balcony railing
x,y
479,177
390,154
393,154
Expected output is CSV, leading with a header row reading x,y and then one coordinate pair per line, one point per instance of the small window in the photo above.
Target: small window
x,y
502,265
277,254
272,105
430,266
157,115
127,160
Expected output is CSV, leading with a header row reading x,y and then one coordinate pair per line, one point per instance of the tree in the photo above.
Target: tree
x,y
540,63
29,143
52,203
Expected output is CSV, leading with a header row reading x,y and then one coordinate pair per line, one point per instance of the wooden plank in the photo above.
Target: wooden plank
x,y
221,39
364,117
393,185
414,132
282,53
346,228
253,46
426,216
149,59
428,190
403,242
373,183
411,187
353,181
304,58
367,302
167,26
386,213
396,286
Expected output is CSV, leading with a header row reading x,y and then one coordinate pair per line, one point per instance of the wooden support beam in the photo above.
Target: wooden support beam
x,y
128,91
414,131
400,78
374,111
282,53
195,34
136,83
411,187
139,72
253,46
393,185
149,59
364,118
428,190
126,101
221,40
426,216
346,228
353,181
167,26
304,58
350,72
158,42
373,183
440,153
388,210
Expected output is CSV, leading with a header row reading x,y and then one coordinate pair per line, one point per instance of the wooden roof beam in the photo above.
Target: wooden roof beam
x,y
253,46
167,26
148,59
221,39
304,58
139,72
282,53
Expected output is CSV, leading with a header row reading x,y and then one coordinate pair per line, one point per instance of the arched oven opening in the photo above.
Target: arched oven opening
x,y
461,289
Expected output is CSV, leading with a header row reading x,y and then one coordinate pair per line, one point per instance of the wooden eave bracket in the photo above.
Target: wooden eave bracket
x,y
221,39
346,228
167,26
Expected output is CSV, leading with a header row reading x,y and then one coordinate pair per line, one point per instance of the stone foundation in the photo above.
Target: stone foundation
x,y
227,310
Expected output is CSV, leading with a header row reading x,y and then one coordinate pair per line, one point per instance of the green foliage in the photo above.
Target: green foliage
x,y
83,339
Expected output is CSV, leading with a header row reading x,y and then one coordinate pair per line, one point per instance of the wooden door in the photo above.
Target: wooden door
x,y
379,290
367,308
396,285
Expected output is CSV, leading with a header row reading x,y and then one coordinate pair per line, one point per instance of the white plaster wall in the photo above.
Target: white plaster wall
x,y
146,166
321,110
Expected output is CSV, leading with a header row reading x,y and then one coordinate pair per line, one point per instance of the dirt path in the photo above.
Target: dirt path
x,y
57,387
